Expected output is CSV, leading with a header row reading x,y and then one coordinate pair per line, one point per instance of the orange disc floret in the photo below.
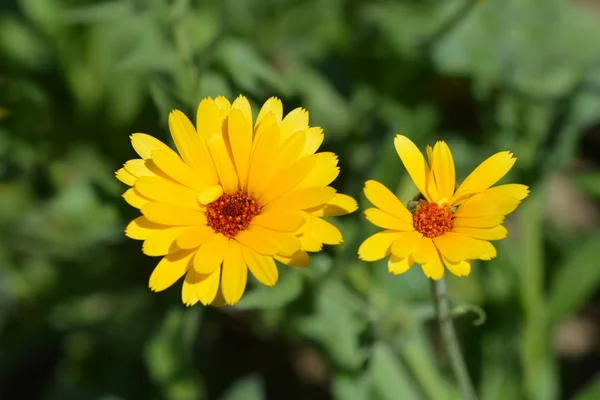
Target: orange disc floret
x,y
231,213
432,220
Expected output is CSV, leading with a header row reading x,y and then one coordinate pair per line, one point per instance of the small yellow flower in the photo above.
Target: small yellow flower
x,y
235,198
448,227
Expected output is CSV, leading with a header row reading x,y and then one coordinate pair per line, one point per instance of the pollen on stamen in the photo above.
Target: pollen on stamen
x,y
231,213
432,220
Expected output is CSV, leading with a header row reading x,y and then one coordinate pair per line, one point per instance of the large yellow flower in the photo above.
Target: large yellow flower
x,y
234,198
446,226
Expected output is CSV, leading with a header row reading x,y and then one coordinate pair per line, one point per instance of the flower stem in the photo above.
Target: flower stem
x,y
451,345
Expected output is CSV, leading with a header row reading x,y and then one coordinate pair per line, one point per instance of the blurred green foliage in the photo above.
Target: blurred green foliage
x,y
78,76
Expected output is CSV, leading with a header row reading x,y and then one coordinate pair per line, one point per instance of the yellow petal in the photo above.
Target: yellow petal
x,y
262,267
241,103
341,204
283,243
486,174
255,238
326,232
224,164
434,269
398,265
324,172
234,274
478,222
425,251
443,170
208,118
144,145
201,287
224,106
264,146
193,237
377,246
406,243
210,255
188,292
303,199
296,120
452,246
381,197
495,233
167,214
461,268
141,228
125,177
287,180
414,162
490,202
240,138
139,167
309,241
191,147
298,259
513,190
172,165
384,220
161,242
314,138
170,268
273,105
280,220
135,199
288,152
210,194
166,191
287,243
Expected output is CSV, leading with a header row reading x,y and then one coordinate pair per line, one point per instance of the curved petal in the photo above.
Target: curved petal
x,y
135,198
302,199
224,164
142,228
262,267
398,265
384,220
461,268
280,220
443,170
495,233
167,214
478,222
240,138
326,232
210,194
126,177
272,105
168,192
241,103
210,255
295,120
324,172
288,180
170,268
208,118
173,166
314,138
192,238
406,243
381,197
144,145
452,246
414,162
265,144
378,246
255,238
161,242
485,175
298,259
234,274
341,204
201,287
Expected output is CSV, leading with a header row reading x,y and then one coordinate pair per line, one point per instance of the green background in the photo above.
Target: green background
x,y
77,320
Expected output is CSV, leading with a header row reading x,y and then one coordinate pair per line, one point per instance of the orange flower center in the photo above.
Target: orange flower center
x,y
231,213
432,220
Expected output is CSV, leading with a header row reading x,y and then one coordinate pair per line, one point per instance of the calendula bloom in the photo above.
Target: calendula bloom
x,y
448,226
237,197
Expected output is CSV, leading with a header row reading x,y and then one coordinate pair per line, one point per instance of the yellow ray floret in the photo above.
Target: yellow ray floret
x,y
450,227
233,198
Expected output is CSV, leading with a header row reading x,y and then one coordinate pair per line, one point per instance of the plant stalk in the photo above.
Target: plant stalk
x,y
450,341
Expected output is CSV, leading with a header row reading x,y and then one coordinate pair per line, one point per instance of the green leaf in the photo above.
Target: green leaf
x,y
248,388
335,326
390,379
576,280
591,391
346,387
262,297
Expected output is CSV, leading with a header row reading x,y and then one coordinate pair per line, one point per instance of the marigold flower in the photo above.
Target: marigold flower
x,y
446,226
235,198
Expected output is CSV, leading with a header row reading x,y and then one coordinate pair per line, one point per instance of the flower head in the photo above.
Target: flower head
x,y
447,226
235,197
